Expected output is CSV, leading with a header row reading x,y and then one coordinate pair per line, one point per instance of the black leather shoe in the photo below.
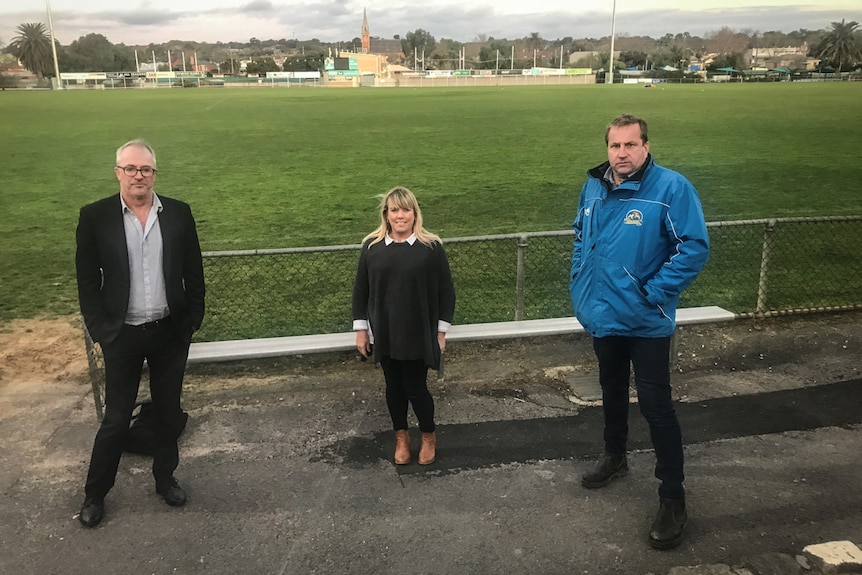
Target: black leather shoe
x,y
610,466
92,511
172,493
667,529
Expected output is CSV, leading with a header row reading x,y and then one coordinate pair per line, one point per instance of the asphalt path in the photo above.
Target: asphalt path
x,y
493,443
294,476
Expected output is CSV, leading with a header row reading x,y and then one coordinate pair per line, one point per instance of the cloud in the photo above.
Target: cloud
x,y
341,20
149,18
264,6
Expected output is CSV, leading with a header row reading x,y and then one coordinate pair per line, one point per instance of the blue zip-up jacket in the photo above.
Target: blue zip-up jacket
x,y
637,246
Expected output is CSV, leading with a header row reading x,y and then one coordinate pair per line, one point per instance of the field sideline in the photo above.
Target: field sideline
x,y
265,168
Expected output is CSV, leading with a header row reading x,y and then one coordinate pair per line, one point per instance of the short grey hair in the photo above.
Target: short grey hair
x,y
138,143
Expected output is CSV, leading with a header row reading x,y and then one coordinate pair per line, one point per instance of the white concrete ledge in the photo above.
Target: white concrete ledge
x,y
270,347
214,351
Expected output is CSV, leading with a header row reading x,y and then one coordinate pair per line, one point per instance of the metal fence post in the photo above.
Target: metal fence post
x,y
96,369
765,254
520,277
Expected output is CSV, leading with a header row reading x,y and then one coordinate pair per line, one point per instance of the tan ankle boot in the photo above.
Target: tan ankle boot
x,y
428,451
402,447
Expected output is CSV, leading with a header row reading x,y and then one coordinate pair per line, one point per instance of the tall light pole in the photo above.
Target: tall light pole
x,y
57,84
613,35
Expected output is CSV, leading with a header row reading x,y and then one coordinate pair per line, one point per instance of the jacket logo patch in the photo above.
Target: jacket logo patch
x,y
634,217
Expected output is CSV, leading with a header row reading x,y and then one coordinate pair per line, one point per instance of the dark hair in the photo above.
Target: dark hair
x,y
628,120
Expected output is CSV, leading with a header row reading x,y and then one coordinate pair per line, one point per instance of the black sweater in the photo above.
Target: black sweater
x,y
403,291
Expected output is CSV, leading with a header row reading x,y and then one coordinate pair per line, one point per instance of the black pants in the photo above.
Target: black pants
x,y
407,382
651,360
166,354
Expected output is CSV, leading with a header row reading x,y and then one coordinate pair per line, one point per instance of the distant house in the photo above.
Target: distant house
x,y
16,75
791,57
204,66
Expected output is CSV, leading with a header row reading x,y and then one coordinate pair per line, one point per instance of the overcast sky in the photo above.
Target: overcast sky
x,y
157,21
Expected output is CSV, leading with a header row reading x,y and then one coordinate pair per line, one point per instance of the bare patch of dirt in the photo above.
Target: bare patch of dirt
x,y
44,384
38,351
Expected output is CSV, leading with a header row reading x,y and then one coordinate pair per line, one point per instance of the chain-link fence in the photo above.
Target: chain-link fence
x,y
757,267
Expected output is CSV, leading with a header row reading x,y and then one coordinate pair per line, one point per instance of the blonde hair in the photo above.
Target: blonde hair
x,y
403,198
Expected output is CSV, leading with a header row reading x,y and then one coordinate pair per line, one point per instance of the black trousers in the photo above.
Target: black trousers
x,y
650,358
407,383
166,354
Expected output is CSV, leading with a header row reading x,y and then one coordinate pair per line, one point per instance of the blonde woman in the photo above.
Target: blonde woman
x,y
403,303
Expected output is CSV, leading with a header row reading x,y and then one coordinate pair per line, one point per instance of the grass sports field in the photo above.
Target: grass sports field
x,y
267,168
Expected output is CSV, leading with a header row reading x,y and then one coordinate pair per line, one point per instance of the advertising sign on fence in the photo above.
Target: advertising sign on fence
x,y
82,75
125,75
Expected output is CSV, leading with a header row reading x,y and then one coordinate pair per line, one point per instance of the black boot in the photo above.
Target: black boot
x,y
611,465
666,532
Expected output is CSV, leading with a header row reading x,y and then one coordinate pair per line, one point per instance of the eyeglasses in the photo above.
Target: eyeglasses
x,y
132,171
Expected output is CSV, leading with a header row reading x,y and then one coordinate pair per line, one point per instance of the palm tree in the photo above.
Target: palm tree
x,y
841,46
33,48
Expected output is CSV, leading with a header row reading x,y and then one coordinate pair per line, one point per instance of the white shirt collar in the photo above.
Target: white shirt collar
x,y
157,203
411,239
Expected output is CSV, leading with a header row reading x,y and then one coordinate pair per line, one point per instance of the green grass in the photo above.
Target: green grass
x,y
266,168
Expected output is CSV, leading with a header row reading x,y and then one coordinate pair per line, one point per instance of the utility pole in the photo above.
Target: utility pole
x,y
512,61
57,85
610,76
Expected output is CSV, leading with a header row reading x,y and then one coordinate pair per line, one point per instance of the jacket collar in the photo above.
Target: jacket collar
x,y
599,172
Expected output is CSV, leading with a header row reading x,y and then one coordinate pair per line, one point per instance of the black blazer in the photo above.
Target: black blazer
x,y
102,266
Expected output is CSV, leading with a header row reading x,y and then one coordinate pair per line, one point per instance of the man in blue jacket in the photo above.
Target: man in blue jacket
x,y
640,239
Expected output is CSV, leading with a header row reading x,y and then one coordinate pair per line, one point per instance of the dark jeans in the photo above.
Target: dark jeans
x,y
650,358
407,382
166,354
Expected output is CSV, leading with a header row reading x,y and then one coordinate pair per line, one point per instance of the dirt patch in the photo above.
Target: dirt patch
x,y
44,386
39,351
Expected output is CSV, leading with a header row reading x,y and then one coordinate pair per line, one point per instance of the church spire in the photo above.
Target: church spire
x,y
366,35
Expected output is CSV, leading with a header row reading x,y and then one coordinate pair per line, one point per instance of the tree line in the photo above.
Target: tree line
x,y
839,47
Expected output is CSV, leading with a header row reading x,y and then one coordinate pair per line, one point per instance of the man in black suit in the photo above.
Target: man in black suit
x,y
141,291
